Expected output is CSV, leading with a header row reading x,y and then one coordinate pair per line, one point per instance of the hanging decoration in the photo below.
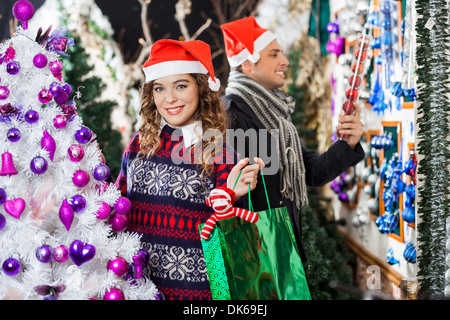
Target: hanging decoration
x,y
433,207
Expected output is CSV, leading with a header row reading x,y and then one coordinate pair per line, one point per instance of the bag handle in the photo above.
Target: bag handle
x,y
250,206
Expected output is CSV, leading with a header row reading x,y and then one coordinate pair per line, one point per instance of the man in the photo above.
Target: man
x,y
255,103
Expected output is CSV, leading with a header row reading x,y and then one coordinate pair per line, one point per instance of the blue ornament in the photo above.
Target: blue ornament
x,y
390,257
387,7
11,267
375,43
408,214
412,95
396,89
388,23
31,116
379,221
374,19
410,190
391,221
78,203
410,253
388,38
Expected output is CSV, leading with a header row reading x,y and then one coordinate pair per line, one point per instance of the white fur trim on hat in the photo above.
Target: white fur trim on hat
x,y
259,44
214,85
169,68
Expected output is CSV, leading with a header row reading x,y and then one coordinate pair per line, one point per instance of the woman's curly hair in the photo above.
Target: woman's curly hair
x,y
210,111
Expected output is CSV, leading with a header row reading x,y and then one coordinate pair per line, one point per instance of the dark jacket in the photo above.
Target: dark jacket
x,y
320,169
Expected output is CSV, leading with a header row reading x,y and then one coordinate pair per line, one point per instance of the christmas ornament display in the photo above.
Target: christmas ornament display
x,y
56,237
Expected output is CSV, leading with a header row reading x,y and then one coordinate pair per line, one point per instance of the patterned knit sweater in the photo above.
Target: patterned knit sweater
x,y
168,204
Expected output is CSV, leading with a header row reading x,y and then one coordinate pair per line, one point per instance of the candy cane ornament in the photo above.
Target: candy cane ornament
x,y
222,201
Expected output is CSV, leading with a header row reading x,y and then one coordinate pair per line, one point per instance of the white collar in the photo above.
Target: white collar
x,y
191,132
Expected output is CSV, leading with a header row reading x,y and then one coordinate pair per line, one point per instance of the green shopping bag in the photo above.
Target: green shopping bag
x,y
255,261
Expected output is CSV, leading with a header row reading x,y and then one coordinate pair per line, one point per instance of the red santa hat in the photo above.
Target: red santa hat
x,y
244,39
169,57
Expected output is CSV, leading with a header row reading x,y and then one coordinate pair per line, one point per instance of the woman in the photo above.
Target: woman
x,y
173,162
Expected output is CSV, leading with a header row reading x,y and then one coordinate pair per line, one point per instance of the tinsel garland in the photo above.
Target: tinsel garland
x,y
432,37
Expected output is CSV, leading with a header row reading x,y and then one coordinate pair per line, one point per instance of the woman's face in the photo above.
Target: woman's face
x,y
176,98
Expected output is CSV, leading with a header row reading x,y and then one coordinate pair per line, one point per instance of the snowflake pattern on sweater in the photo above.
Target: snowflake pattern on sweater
x,y
168,205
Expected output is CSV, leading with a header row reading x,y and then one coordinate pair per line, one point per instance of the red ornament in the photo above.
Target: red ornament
x,y
348,107
354,81
352,95
357,68
362,53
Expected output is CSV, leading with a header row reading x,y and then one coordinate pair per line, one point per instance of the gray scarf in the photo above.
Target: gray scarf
x,y
274,109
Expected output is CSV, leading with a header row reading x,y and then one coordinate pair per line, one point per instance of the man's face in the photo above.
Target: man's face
x,y
269,70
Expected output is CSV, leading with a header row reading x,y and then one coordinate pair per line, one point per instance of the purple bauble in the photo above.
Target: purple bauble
x,y
78,203
80,178
44,253
45,96
118,222
61,254
31,116
11,266
122,205
62,98
114,294
76,152
2,221
55,89
13,67
66,214
101,172
23,10
60,121
118,265
40,61
104,211
67,88
2,196
13,135
4,92
38,165
83,135
81,252
56,66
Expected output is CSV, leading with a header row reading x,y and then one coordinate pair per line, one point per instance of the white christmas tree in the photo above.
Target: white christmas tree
x,y
62,225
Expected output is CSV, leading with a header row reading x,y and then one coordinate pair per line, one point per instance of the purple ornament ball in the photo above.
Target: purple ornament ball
x,y
61,254
118,222
62,98
13,135
76,152
122,205
31,116
2,196
83,135
2,221
101,172
13,67
23,10
40,61
55,89
44,253
11,267
4,92
104,211
67,88
118,265
38,165
60,121
80,178
114,294
78,203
